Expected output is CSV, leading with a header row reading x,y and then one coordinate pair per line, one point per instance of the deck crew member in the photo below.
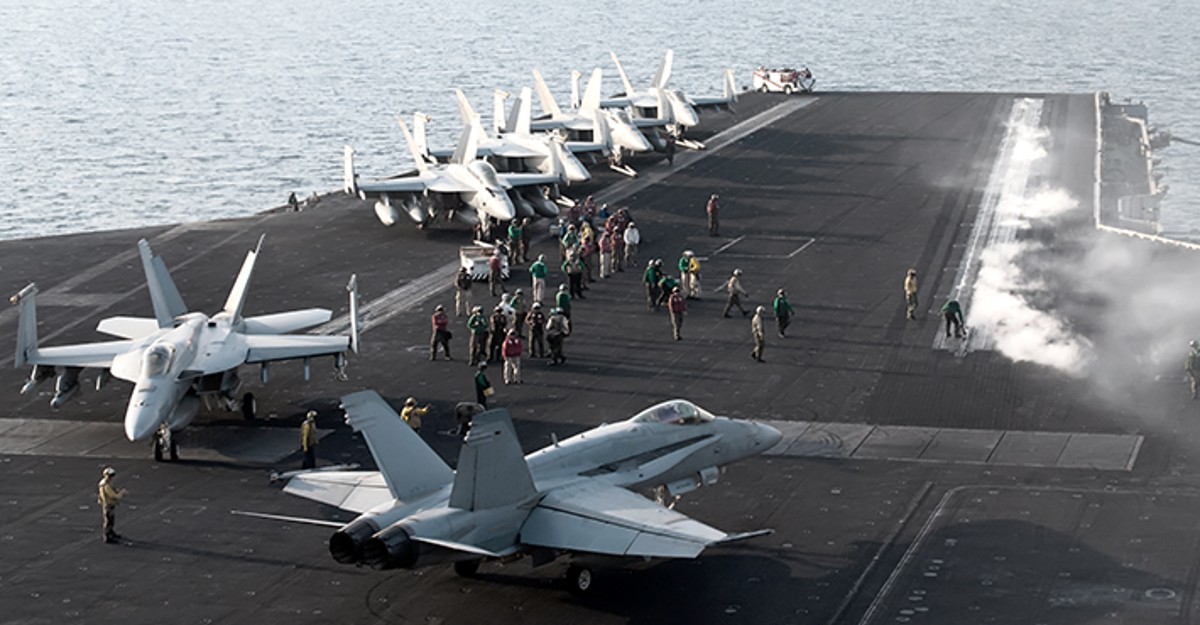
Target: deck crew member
x,y
512,357
734,288
632,238
756,331
537,271
412,413
308,440
536,320
108,497
462,293
483,388
910,293
477,327
1192,366
952,311
441,332
558,328
678,308
783,312
711,208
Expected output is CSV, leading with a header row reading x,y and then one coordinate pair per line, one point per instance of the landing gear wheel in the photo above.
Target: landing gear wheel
x,y
582,579
174,449
467,568
249,407
158,448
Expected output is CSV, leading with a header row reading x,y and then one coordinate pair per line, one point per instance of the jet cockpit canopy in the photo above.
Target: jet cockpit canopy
x,y
157,360
675,412
485,172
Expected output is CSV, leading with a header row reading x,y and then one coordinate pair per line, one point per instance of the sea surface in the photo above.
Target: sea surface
x,y
134,113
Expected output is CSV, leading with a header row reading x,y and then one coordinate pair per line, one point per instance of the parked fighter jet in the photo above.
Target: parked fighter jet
x,y
518,149
625,136
179,357
661,105
466,182
573,497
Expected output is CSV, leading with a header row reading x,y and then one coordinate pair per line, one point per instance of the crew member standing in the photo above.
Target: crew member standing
x,y
537,272
462,293
651,277
558,328
563,301
783,312
711,209
756,331
108,497
516,241
677,307
512,357
1192,366
496,274
411,413
441,332
910,293
632,238
308,440
536,321
477,326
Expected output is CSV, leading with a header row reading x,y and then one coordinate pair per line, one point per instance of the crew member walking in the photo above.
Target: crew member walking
x,y
308,440
496,274
558,328
711,209
910,293
734,288
536,321
477,326
756,331
651,277
678,307
783,312
512,357
483,388
108,497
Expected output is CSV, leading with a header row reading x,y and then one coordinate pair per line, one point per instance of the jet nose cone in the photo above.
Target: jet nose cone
x,y
140,424
768,436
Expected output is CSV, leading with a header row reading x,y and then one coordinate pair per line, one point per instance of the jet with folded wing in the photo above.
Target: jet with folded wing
x,y
660,104
467,188
575,497
179,358
580,123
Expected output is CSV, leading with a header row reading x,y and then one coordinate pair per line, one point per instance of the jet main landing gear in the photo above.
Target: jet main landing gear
x,y
165,444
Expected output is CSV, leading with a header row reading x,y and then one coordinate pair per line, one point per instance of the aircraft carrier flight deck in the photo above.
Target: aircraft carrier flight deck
x,y
919,479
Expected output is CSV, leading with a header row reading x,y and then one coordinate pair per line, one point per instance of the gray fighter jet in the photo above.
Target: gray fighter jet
x,y
178,357
574,497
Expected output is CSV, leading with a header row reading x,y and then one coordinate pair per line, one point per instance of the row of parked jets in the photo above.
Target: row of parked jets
x,y
519,168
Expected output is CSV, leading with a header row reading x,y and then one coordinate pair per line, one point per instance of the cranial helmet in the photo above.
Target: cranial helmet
x,y
109,471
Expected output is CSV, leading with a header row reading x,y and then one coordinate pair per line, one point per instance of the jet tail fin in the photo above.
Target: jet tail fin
x,y
500,123
408,465
168,304
523,114
420,137
591,93
241,286
575,76
547,99
621,72
349,177
352,288
663,75
492,471
468,142
417,155
27,334
730,92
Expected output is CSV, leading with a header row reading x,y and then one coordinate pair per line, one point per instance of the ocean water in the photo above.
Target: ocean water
x,y
122,114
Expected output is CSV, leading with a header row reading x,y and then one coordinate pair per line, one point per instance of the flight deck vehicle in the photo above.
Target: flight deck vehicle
x,y
785,80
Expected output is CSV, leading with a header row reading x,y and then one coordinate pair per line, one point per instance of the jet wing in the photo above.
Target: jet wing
x,y
394,185
527,180
355,491
128,327
266,347
585,147
281,323
598,518
99,355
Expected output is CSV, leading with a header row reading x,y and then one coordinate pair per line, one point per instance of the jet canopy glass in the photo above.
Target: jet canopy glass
x,y
156,360
675,412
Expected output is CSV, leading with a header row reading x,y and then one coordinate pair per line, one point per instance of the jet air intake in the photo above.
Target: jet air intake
x,y
389,549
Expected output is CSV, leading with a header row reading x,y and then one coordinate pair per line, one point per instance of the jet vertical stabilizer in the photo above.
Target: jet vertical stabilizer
x,y
591,93
168,303
621,72
547,99
576,75
27,334
417,155
241,286
491,466
408,465
730,90
420,137
663,75
523,114
468,142
500,123
349,177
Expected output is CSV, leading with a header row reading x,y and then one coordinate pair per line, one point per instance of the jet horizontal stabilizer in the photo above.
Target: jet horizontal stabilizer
x,y
289,519
448,544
